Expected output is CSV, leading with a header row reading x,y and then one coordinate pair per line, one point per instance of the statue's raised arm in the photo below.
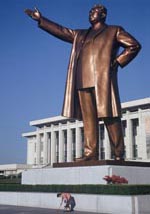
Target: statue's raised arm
x,y
51,27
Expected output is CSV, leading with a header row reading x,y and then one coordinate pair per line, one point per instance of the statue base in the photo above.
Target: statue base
x,y
102,163
88,172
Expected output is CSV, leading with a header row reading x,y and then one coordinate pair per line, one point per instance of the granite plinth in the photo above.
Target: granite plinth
x,y
102,163
89,172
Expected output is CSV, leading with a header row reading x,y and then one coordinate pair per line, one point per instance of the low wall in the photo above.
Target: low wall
x,y
90,203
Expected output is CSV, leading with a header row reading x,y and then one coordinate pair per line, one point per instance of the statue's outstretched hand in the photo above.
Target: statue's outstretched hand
x,y
36,15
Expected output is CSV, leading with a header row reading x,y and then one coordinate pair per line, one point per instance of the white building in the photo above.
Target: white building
x,y
12,169
59,139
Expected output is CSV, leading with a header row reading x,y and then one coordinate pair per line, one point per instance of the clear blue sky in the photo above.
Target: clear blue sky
x,y
33,64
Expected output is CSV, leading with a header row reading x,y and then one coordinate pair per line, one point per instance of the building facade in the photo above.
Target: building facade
x,y
59,139
12,169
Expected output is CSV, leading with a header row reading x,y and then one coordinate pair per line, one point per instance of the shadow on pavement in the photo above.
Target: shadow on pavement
x,y
7,209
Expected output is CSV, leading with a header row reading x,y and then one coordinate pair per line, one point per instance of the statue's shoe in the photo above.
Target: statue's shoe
x,y
86,158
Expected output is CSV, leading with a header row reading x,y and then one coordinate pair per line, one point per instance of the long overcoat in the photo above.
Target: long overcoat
x,y
104,48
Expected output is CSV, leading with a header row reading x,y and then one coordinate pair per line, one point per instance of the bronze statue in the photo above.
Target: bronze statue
x,y
91,88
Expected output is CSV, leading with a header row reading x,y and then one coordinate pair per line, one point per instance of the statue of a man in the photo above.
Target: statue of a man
x,y
91,88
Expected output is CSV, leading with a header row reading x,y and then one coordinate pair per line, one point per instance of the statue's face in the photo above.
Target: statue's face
x,y
94,15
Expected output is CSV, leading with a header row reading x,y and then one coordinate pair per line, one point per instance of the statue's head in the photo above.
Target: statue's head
x,y
98,13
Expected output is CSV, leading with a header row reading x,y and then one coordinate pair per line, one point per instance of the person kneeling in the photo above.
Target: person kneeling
x,y
69,201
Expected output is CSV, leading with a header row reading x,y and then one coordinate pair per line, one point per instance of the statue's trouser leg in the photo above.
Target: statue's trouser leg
x,y
90,121
115,133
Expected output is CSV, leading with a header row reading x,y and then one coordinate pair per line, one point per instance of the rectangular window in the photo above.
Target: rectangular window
x,y
65,145
35,147
101,141
102,153
41,146
41,160
102,132
147,132
135,124
73,143
57,146
82,138
124,126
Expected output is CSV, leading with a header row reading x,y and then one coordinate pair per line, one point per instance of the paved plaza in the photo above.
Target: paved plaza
x,y
7,209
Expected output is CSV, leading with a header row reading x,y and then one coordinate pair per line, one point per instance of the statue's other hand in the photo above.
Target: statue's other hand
x,y
36,15
114,64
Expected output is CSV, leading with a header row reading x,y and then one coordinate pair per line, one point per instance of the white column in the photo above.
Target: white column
x,y
107,145
38,152
142,147
69,144
78,141
53,146
30,151
61,145
45,147
129,138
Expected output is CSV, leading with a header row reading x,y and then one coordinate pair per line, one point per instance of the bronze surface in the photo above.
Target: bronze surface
x,y
94,64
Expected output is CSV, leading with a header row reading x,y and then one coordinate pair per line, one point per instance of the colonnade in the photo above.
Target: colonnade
x,y
63,141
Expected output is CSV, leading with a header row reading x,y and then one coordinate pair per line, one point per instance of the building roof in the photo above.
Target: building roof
x,y
133,105
136,103
50,120
14,166
125,106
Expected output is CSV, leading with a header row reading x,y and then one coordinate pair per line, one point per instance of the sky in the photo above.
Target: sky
x,y
33,64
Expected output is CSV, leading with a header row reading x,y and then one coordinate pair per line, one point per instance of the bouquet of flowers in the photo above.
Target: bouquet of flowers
x,y
115,179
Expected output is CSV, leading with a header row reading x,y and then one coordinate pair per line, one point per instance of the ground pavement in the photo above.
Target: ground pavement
x,y
7,209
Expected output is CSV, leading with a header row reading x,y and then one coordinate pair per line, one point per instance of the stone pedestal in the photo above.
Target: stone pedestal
x,y
90,172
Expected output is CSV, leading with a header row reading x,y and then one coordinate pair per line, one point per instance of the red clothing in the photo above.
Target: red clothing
x,y
65,196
